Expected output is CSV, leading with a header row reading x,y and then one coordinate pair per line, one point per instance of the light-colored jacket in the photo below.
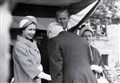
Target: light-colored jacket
x,y
26,58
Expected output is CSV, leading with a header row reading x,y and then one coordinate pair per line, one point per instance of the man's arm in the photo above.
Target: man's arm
x,y
55,61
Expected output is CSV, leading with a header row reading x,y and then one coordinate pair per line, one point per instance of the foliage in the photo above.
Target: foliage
x,y
106,12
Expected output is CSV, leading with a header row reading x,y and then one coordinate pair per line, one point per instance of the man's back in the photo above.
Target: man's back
x,y
69,60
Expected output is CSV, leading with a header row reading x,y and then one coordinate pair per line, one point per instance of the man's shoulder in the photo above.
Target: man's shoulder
x,y
58,38
65,33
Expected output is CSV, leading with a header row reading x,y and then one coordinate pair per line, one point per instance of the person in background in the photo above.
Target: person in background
x,y
5,22
68,62
63,17
96,61
26,56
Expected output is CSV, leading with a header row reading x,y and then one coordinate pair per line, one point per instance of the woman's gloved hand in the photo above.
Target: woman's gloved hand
x,y
45,76
40,67
96,68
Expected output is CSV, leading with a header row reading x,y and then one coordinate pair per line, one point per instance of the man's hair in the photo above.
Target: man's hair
x,y
54,28
62,10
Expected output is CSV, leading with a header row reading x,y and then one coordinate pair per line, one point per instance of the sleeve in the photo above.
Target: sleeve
x,y
22,57
55,61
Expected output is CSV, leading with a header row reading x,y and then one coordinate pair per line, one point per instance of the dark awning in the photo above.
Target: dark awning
x,y
54,2
45,10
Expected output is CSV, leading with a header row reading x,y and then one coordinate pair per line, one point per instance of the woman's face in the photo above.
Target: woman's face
x,y
87,35
29,32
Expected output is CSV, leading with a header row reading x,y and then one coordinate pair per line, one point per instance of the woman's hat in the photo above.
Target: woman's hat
x,y
27,21
84,28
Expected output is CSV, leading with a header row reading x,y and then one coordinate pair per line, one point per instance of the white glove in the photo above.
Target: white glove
x,y
12,80
96,68
44,76
40,67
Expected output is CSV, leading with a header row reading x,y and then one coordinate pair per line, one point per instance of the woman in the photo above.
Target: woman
x,y
5,22
26,56
95,59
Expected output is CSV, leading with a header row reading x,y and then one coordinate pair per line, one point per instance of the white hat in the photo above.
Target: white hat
x,y
27,21
85,28
54,29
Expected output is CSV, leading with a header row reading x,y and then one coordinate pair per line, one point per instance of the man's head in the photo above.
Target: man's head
x,y
54,29
62,17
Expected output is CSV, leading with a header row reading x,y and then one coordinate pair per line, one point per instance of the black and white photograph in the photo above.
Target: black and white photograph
x,y
59,41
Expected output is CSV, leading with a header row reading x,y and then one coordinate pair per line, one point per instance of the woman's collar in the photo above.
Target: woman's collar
x,y
28,42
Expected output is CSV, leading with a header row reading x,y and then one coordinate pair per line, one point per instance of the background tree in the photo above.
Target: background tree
x,y
107,12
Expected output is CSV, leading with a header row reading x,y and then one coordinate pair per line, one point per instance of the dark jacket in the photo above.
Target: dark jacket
x,y
69,59
97,60
44,56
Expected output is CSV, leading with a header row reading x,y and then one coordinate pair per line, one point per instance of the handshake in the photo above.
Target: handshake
x,y
43,75
97,68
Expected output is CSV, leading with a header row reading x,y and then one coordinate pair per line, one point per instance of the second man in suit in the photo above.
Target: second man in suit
x,y
69,58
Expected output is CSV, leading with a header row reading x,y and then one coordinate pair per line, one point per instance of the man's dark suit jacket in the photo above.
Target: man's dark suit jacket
x,y
44,56
69,59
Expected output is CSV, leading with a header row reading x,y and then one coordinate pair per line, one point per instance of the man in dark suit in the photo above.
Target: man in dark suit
x,y
44,56
69,59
